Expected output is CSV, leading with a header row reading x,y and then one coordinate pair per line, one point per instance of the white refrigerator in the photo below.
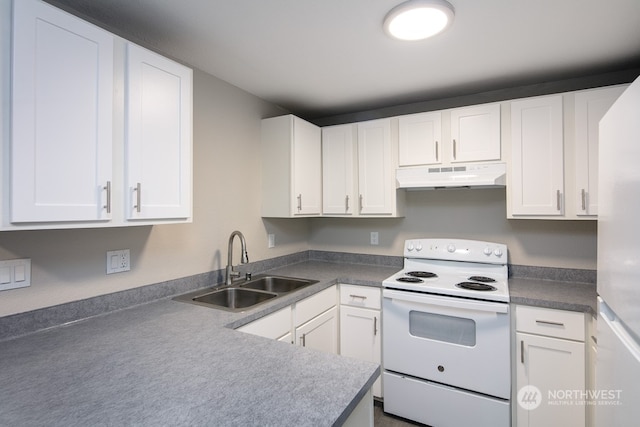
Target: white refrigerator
x,y
617,392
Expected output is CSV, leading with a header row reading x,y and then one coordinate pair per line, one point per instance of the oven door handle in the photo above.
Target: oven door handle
x,y
449,302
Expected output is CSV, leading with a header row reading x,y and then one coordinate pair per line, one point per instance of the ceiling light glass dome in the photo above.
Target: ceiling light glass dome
x,y
418,19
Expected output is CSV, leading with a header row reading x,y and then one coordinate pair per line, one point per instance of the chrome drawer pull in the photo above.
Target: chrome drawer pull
x,y
375,326
548,322
357,296
522,351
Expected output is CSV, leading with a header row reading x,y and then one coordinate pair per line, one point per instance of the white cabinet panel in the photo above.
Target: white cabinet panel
x,y
338,170
537,162
62,108
590,107
158,143
420,139
320,333
291,167
375,168
475,133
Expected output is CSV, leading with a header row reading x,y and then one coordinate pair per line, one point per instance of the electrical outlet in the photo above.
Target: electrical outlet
x,y
118,261
15,273
272,240
374,237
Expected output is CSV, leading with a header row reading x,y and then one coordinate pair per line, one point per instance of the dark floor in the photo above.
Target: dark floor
x,y
382,419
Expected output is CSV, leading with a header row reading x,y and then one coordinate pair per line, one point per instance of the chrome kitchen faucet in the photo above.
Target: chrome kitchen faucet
x,y
243,260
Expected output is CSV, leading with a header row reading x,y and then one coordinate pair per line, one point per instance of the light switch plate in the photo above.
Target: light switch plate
x,y
15,273
118,261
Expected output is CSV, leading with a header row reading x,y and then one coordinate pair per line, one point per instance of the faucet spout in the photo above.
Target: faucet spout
x,y
244,258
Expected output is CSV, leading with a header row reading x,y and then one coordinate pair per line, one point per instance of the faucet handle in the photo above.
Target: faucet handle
x,y
247,276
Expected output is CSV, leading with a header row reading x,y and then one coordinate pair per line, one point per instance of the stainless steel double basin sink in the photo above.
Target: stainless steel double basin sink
x,y
246,294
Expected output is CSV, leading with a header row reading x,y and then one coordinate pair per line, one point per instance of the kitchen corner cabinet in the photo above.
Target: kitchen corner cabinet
x,y
339,169
550,355
75,147
360,326
62,115
377,194
311,322
316,321
590,107
537,157
158,136
291,167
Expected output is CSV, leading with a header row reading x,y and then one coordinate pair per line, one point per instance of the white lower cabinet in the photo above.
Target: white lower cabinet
x,y
360,326
550,367
311,322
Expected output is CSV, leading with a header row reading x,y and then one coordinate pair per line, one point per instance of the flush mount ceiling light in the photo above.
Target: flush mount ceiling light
x,y
418,19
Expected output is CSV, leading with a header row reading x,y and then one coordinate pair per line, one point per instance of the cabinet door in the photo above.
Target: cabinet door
x,y
375,168
307,174
320,333
590,107
475,133
537,165
338,172
360,337
158,136
62,108
553,366
419,139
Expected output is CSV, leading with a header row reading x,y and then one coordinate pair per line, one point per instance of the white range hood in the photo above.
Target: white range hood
x,y
486,175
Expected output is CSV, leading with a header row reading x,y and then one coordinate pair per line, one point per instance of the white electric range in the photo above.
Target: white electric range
x,y
446,334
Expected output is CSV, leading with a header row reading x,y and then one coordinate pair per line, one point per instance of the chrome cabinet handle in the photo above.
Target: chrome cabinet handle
x,y
299,202
303,339
138,190
549,322
346,203
522,351
358,296
558,199
584,200
375,326
108,190
454,149
361,203
436,151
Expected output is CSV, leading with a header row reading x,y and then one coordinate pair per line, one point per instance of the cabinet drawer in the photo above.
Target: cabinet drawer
x,y
550,322
360,296
316,304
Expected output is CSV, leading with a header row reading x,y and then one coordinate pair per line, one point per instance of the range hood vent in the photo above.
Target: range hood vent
x,y
487,175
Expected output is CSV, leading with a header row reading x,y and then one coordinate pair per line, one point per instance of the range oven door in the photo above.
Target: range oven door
x,y
454,341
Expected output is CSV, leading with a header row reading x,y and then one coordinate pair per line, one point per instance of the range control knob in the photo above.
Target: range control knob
x,y
451,248
498,252
487,251
419,247
410,247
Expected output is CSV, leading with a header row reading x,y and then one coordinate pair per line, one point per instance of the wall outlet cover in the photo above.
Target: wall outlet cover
x,y
118,261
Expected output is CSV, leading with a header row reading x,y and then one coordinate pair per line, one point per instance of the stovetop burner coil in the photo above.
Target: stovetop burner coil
x,y
482,279
409,280
474,286
422,274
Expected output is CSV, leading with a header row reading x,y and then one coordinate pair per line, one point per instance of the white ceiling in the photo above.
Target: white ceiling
x,y
325,57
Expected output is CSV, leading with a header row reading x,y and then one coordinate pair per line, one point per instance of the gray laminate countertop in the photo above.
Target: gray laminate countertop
x,y
173,363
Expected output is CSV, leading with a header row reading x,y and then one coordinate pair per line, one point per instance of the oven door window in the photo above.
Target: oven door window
x,y
439,327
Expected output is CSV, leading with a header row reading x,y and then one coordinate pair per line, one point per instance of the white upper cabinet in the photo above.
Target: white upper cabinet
x,y
537,162
475,133
420,139
62,108
77,151
158,136
291,168
590,107
339,170
376,183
